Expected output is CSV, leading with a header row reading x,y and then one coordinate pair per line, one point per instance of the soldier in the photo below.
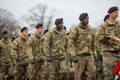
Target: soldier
x,y
109,47
99,73
55,50
37,67
80,44
19,55
6,67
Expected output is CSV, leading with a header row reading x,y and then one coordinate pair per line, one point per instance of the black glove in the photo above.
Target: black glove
x,y
49,59
75,59
16,58
32,62
106,37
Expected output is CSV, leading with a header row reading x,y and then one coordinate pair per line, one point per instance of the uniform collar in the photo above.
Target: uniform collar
x,y
38,34
24,37
111,24
83,27
5,41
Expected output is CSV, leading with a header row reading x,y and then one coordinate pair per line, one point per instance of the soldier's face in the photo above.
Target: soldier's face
x,y
40,30
114,14
85,21
60,25
5,36
25,32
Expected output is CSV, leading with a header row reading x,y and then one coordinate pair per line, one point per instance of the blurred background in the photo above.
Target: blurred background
x,y
15,14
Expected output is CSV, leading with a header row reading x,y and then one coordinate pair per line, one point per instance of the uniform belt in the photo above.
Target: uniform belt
x,y
84,54
113,51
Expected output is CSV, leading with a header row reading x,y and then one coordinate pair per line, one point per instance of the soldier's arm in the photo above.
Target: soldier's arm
x,y
47,44
29,49
114,40
0,47
14,47
100,33
93,44
71,42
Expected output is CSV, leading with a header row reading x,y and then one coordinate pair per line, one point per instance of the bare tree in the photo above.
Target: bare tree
x,y
41,13
7,22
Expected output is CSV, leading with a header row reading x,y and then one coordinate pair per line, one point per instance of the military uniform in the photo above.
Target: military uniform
x,y
37,70
99,56
6,67
20,57
55,47
110,47
80,44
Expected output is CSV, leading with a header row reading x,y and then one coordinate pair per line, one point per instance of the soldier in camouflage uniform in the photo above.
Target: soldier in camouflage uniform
x,y
37,66
110,47
55,50
20,57
99,73
81,48
6,67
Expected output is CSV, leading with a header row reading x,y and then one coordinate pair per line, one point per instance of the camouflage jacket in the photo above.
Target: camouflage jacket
x,y
55,43
112,29
5,56
19,47
35,47
81,40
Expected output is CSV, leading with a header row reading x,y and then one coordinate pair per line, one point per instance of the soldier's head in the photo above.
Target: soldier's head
x,y
59,23
24,31
39,27
84,18
5,34
113,12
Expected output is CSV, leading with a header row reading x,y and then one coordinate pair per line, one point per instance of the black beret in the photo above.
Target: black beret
x,y
23,29
82,16
4,32
58,21
39,25
112,9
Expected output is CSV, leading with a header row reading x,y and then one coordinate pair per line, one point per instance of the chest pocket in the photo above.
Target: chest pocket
x,y
111,30
37,46
5,48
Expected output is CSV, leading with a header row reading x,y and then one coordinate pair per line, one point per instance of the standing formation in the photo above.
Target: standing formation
x,y
55,55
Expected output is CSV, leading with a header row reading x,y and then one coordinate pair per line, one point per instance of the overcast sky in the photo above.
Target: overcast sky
x,y
69,9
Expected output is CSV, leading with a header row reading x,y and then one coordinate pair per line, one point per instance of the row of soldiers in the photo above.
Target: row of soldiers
x,y
56,55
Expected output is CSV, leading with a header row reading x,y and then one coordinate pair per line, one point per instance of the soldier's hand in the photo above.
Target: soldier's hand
x,y
49,59
32,62
107,36
16,58
75,59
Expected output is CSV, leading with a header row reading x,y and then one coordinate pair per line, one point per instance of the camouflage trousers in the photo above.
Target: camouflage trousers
x,y
110,60
37,71
20,72
57,70
99,68
84,68
6,72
